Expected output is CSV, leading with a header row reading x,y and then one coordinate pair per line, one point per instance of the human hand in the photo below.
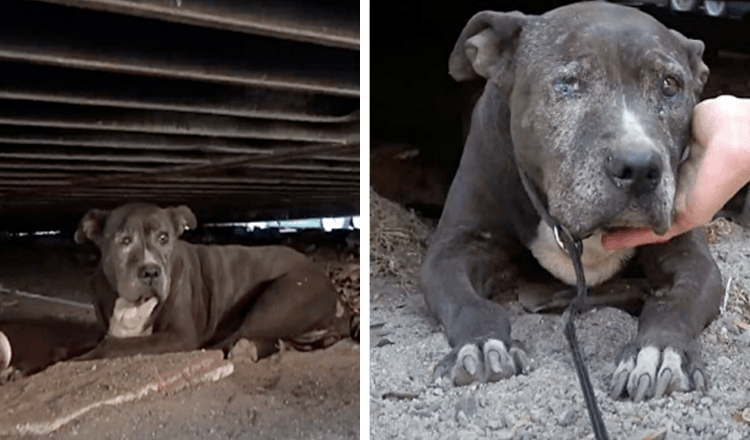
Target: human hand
x,y
718,166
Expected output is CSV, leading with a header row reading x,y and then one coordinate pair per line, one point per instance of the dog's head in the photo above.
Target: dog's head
x,y
600,97
137,242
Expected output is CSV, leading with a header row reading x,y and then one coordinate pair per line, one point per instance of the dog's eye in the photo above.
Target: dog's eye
x,y
670,86
126,241
567,86
163,238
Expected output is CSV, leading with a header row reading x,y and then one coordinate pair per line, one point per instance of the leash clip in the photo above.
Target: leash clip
x,y
558,230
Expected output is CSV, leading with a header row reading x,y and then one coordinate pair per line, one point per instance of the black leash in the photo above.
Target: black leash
x,y
573,248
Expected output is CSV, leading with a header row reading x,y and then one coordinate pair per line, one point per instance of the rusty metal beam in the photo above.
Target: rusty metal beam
x,y
30,135
240,108
84,166
221,164
329,23
81,39
54,84
36,114
76,154
27,179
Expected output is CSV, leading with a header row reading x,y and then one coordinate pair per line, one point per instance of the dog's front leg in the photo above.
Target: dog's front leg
x,y
456,286
665,356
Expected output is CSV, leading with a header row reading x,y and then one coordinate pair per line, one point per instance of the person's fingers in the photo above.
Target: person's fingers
x,y
639,236
632,237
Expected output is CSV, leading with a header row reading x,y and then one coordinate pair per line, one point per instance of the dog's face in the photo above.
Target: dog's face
x,y
601,98
137,242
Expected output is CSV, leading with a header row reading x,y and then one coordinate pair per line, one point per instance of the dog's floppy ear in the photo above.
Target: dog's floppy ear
x,y
91,226
183,218
486,47
695,50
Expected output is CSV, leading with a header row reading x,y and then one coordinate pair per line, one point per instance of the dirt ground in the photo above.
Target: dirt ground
x,y
406,345
197,395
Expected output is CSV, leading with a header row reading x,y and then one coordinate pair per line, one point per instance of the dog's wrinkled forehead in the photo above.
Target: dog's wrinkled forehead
x,y
138,218
621,36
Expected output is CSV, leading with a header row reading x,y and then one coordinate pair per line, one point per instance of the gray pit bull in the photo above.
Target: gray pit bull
x,y
154,293
595,102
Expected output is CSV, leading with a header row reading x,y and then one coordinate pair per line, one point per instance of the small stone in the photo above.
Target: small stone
x,y
467,435
569,419
468,405
461,418
744,340
733,329
383,342
497,423
700,423
711,339
723,362
504,434
734,435
244,350
716,413
706,401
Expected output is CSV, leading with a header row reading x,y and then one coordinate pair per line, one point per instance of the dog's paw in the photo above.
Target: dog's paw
x,y
487,361
653,373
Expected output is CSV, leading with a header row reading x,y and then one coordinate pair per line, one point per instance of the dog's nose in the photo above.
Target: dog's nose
x,y
148,273
638,172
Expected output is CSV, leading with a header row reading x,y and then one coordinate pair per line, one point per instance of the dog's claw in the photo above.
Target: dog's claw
x,y
494,358
699,379
482,362
470,365
620,382
644,383
467,365
657,373
500,363
522,360
665,378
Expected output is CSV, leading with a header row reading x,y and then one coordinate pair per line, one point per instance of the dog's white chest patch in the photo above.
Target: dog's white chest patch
x,y
129,320
599,264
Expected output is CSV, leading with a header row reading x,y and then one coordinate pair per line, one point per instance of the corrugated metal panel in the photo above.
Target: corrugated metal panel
x,y
240,109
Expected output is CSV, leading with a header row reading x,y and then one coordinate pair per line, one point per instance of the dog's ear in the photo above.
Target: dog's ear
x,y
486,47
91,226
695,50
183,219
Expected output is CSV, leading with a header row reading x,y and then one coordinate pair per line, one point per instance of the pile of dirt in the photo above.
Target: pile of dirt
x,y
346,279
193,395
398,240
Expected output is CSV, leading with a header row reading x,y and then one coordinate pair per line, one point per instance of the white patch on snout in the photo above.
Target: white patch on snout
x,y
150,258
633,128
599,264
129,320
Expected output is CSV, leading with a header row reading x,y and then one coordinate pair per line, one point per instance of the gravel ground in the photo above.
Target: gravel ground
x,y
547,403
